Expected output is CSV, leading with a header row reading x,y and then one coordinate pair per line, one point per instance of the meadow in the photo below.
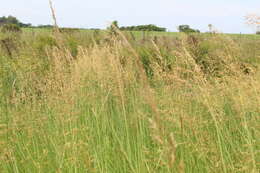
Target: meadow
x,y
108,102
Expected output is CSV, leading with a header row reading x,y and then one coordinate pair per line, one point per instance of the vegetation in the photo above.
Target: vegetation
x,y
150,27
99,102
143,28
10,28
45,26
187,29
113,28
12,20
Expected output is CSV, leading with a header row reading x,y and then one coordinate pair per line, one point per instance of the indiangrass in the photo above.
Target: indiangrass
x,y
96,102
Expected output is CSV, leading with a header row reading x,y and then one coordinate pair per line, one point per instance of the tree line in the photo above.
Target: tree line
x,y
151,27
13,20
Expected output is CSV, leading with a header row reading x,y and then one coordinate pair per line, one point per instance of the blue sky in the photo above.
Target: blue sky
x,y
226,15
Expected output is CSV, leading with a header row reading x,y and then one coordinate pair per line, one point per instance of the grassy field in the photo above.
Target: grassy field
x,y
119,102
150,33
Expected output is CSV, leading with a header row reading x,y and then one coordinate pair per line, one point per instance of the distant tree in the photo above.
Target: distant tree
x,y
8,20
69,30
95,29
45,26
183,28
12,20
150,27
187,29
25,25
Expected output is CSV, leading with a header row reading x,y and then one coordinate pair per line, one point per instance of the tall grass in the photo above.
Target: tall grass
x,y
111,103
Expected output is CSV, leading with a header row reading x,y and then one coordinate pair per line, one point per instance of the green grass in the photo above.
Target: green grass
x,y
91,102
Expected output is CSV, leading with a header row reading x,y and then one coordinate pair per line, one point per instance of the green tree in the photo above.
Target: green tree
x,y
187,29
9,20
12,20
149,27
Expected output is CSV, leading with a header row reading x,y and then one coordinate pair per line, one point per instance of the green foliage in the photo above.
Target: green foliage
x,y
9,20
187,29
143,28
12,20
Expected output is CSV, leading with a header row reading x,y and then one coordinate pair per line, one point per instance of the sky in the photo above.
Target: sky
x,y
225,15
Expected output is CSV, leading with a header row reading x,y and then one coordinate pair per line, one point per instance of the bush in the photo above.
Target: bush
x,y
13,20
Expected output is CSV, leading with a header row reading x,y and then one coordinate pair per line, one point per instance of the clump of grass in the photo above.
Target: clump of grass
x,y
10,28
